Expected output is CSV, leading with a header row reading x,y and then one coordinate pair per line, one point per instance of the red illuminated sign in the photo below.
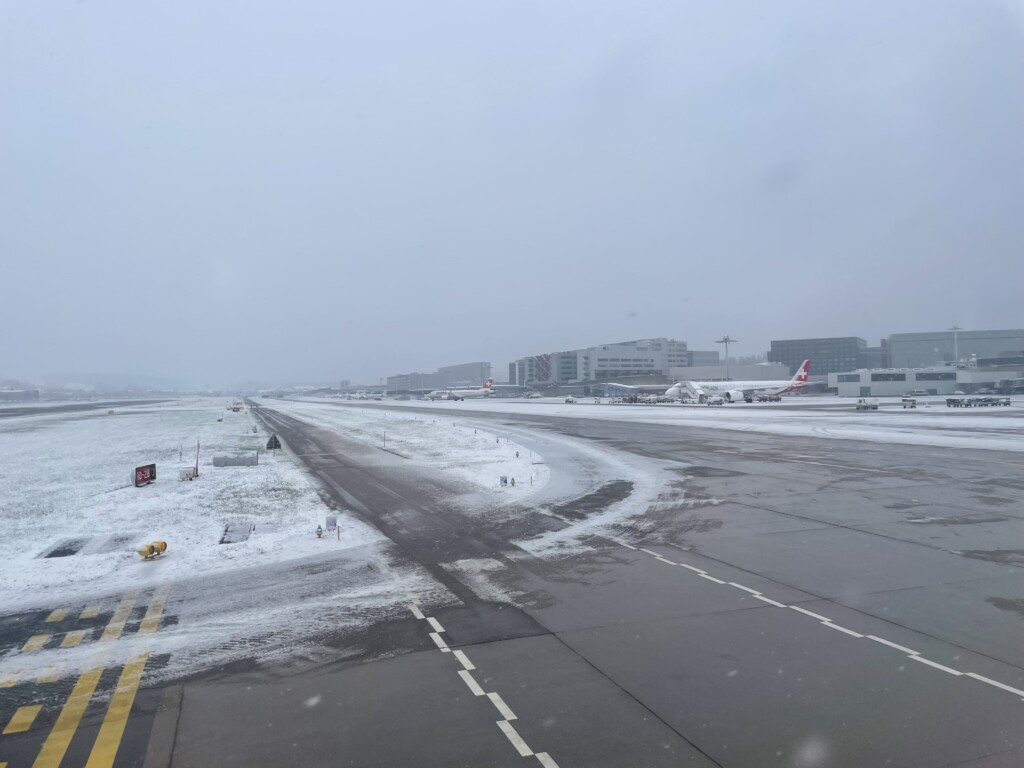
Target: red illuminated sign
x,y
145,475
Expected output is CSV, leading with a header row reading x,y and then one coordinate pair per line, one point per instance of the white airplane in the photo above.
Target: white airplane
x,y
462,394
735,391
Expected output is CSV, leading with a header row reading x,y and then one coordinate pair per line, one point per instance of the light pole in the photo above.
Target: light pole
x,y
727,340
956,344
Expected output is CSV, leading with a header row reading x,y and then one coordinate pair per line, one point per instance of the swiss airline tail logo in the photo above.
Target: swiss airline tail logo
x,y
801,374
487,384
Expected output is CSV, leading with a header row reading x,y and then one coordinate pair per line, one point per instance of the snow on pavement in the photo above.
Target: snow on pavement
x,y
477,451
475,455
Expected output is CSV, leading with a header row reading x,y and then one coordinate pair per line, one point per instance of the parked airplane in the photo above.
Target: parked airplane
x,y
734,391
462,394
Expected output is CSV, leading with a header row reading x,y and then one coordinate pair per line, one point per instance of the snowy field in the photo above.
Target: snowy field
x,y
66,480
931,423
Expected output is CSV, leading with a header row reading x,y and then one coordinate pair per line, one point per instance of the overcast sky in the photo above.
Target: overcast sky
x,y
223,192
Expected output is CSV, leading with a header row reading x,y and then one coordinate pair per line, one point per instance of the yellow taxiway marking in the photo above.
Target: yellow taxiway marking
x,y
35,642
57,615
74,637
56,744
23,719
109,738
90,612
120,618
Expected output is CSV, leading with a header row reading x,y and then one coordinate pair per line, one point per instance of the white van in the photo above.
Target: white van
x,y
867,404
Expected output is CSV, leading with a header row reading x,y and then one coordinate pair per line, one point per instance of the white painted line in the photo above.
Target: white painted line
x,y
662,559
817,616
435,624
416,610
995,683
546,761
498,702
654,554
438,641
471,683
515,738
837,466
711,578
771,602
745,589
937,666
627,546
691,568
893,645
464,660
850,632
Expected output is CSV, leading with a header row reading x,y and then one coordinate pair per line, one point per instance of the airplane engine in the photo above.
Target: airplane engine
x,y
734,396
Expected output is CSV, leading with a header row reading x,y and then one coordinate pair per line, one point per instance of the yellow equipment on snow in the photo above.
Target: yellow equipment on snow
x,y
155,549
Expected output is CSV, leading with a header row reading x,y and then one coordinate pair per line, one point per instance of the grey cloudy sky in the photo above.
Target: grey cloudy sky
x,y
219,192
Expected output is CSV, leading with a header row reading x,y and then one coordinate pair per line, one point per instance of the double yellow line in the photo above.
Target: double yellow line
x,y
109,738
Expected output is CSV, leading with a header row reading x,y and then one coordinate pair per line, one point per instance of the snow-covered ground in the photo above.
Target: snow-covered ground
x,y
66,477
931,423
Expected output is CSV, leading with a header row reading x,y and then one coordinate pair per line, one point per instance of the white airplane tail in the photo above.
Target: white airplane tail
x,y
799,380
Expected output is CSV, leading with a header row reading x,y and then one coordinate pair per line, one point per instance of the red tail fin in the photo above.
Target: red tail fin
x,y
801,374
487,385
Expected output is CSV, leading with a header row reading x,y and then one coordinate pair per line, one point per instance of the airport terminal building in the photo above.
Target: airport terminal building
x,y
914,350
605,362
946,380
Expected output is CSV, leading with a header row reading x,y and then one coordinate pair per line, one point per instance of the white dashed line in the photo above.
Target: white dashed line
x,y
439,642
471,683
936,665
915,655
850,632
745,589
883,641
515,738
546,761
817,616
416,611
501,706
463,659
995,683
435,624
